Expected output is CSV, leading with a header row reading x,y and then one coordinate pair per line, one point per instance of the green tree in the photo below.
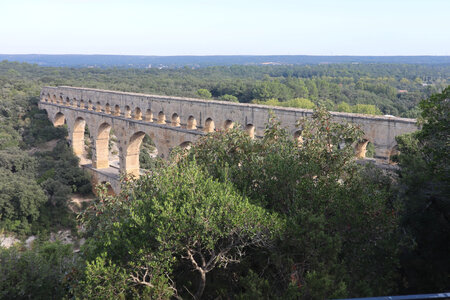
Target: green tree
x,y
340,219
299,103
344,107
39,273
204,93
425,181
20,201
176,218
230,98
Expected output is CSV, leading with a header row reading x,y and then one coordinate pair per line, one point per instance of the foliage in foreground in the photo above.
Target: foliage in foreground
x,y
425,181
169,229
39,273
340,219
311,222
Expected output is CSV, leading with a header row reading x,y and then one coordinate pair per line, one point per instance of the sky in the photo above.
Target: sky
x,y
225,27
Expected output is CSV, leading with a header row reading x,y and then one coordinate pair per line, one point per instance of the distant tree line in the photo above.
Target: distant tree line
x,y
393,89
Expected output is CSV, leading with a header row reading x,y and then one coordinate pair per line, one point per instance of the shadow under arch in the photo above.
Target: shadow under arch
x,y
209,125
137,114
250,130
191,123
148,115
116,110
175,120
107,108
161,118
127,112
228,124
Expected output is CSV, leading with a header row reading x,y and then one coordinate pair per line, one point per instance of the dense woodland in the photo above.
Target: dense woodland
x,y
232,217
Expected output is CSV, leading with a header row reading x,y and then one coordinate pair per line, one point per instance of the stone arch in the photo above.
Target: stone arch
x,y
59,119
127,112
175,120
361,148
191,123
250,130
147,152
148,116
89,105
109,190
98,107
100,159
132,154
186,145
117,110
78,136
82,105
107,108
54,99
68,101
298,137
392,154
209,125
61,100
137,114
74,102
161,118
228,124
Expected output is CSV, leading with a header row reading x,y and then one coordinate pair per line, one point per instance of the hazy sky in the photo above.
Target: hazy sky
x,y
228,27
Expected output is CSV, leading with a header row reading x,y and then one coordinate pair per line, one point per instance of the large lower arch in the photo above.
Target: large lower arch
x,y
100,159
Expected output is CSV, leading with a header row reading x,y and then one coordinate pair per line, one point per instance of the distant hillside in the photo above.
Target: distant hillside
x,y
134,61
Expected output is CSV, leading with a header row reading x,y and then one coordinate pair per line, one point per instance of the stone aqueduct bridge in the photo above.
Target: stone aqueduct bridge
x,y
175,121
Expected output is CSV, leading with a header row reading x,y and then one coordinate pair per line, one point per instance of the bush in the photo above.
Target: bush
x,y
39,273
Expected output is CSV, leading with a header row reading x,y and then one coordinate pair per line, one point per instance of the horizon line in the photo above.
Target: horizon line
x,y
254,55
